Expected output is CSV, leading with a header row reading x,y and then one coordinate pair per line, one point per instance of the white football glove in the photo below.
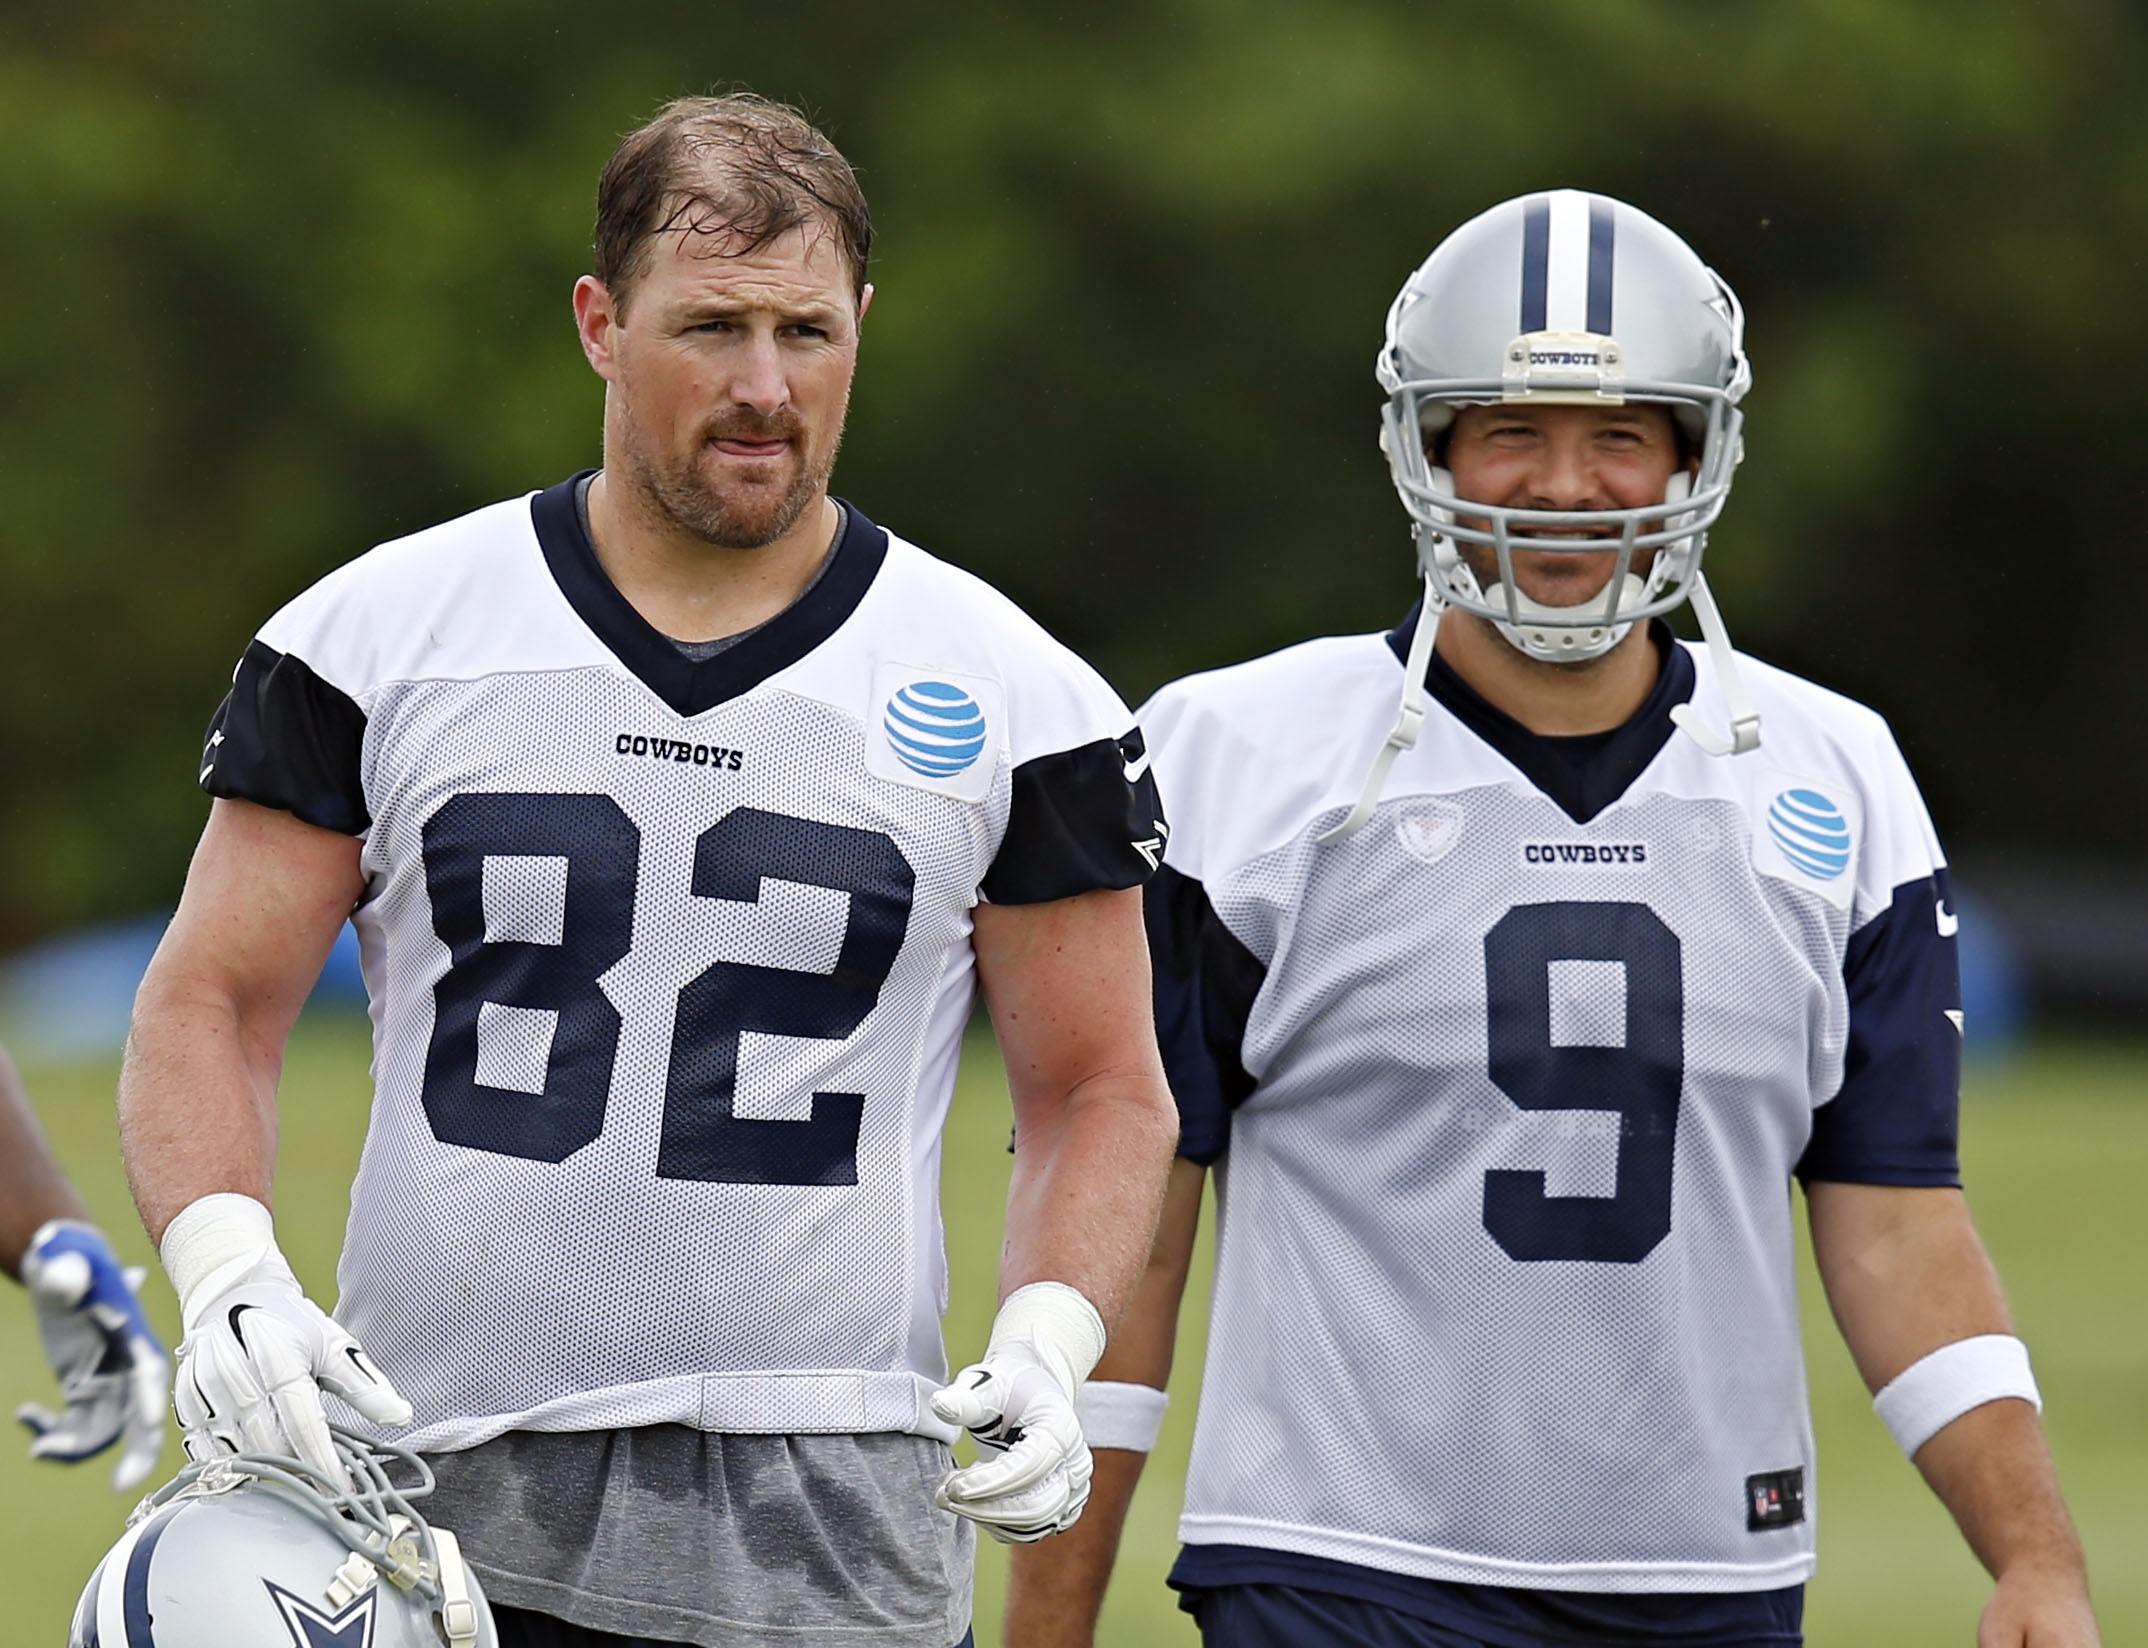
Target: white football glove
x,y
1033,1467
111,1366
258,1353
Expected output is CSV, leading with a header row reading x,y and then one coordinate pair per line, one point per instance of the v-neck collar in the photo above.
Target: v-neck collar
x,y
1582,774
691,687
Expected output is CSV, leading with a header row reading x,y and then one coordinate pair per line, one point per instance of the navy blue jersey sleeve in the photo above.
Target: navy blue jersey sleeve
x,y
1079,821
1205,981
1896,1119
288,739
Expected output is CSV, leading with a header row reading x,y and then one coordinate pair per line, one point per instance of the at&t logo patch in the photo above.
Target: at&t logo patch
x,y
936,729
1812,832
1807,833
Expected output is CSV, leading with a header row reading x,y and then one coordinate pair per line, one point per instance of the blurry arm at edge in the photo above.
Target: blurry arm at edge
x,y
1056,1587
33,1187
264,900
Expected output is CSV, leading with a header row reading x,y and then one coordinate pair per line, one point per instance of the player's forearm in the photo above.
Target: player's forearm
x,y
1088,1184
1993,1471
1906,1276
1905,1273
33,1187
197,1095
1055,1588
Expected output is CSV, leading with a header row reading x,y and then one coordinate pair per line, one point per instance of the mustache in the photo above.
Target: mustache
x,y
744,424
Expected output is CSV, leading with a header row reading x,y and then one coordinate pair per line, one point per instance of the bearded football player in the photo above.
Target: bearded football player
x,y
681,810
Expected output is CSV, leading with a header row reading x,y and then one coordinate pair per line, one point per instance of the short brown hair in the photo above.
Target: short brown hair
x,y
741,168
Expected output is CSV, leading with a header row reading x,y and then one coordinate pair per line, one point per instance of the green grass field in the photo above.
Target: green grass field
x,y
2053,1143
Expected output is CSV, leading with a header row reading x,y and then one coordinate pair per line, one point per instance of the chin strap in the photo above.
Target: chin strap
x,y
1409,721
458,1614
1744,719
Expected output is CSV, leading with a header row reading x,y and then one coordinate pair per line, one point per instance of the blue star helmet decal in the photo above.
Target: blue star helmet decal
x,y
350,1627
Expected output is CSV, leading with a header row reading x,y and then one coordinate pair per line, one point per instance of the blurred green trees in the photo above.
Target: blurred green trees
x,y
282,281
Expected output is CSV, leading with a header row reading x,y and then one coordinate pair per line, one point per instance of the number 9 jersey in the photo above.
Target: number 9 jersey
x,y
669,958
1505,1094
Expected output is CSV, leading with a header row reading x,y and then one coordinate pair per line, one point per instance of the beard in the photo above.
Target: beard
x,y
746,514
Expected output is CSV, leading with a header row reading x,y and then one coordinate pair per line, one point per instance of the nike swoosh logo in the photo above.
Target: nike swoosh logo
x,y
1949,923
210,768
1136,767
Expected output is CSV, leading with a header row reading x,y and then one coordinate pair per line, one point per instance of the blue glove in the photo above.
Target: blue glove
x,y
111,1367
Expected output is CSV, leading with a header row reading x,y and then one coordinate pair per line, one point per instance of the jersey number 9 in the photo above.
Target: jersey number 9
x,y
1640,1079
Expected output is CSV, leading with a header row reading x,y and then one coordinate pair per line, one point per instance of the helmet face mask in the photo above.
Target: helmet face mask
x,y
1563,299
260,1551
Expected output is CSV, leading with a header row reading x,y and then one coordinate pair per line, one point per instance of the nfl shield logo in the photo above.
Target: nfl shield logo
x,y
1428,830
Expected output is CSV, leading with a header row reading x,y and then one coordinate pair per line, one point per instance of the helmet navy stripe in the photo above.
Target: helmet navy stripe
x,y
141,1629
1535,262
1603,237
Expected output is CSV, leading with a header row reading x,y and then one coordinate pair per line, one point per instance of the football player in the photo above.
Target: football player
x,y
1505,1051
112,1369
681,810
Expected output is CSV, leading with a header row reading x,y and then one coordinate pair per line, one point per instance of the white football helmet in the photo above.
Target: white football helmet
x,y
1564,298
255,1551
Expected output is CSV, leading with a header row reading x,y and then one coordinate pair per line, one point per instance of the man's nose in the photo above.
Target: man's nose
x,y
760,381
1566,477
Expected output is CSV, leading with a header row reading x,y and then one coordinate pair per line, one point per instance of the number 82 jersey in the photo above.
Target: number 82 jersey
x,y
668,958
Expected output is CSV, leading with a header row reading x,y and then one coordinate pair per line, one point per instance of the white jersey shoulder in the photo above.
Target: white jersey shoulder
x,y
466,598
1832,799
924,616
1246,755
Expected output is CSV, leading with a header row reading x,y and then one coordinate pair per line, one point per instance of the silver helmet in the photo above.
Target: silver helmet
x,y
260,1551
1564,298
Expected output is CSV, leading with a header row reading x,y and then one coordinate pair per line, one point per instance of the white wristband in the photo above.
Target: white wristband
x,y
1934,1392
212,1243
1115,1415
1059,1324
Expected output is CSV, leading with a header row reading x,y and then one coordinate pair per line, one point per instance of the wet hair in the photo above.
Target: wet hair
x,y
741,170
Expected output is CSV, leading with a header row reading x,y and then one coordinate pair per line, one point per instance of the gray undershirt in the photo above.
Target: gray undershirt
x,y
725,1541
700,652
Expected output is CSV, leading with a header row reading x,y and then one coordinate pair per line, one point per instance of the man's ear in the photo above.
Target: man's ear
x,y
865,300
597,318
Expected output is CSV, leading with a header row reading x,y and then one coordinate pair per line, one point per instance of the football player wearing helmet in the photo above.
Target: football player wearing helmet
x,y
112,1369
682,812
266,1551
1504,1019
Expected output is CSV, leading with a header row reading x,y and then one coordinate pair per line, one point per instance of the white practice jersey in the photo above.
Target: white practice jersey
x,y
669,960
1505,1095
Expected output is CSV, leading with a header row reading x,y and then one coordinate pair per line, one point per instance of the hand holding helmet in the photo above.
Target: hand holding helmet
x,y
258,1353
